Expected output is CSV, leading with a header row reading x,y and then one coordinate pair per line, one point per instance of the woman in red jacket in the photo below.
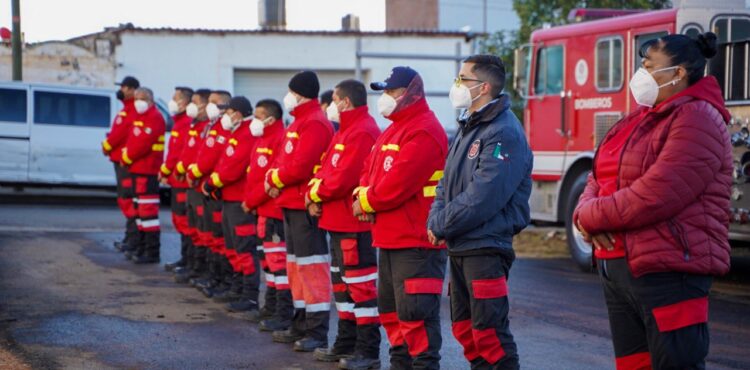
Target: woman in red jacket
x,y
656,207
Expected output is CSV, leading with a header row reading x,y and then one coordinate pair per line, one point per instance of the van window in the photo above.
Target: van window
x,y
71,109
609,64
13,107
549,70
731,29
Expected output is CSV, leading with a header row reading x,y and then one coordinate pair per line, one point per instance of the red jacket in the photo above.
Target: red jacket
x,y
400,175
211,149
178,137
196,135
675,178
230,172
306,140
118,133
341,166
262,158
144,150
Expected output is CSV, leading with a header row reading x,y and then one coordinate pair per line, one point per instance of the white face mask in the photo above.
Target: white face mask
x,y
386,104
460,96
141,106
213,111
644,87
290,101
256,127
192,110
173,107
227,123
333,112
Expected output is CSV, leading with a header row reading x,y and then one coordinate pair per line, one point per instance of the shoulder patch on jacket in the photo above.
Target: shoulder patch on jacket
x,y
474,149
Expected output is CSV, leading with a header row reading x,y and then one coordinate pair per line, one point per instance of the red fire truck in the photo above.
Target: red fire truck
x,y
574,81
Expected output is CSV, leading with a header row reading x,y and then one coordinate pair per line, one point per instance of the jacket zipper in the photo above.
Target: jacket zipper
x,y
679,235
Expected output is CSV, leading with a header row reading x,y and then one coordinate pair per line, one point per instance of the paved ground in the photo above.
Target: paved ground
x,y
69,300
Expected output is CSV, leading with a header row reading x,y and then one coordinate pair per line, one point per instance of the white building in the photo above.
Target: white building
x,y
259,63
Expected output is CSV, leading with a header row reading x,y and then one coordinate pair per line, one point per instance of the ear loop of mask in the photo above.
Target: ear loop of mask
x,y
673,82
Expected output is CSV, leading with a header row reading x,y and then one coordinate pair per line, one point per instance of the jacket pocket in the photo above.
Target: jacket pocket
x,y
679,235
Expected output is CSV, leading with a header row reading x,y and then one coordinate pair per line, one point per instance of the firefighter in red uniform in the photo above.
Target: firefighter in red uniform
x,y
397,188
177,140
354,268
268,128
196,110
143,155
220,274
307,251
112,148
227,182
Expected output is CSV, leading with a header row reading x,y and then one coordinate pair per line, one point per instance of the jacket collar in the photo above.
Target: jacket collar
x,y
351,117
276,126
304,109
487,114
419,106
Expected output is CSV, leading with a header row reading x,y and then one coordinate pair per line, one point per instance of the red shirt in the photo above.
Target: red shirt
x,y
262,158
306,140
230,172
144,150
209,152
118,133
178,137
339,173
399,177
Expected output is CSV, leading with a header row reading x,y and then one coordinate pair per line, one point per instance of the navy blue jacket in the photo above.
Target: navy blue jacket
x,y
483,199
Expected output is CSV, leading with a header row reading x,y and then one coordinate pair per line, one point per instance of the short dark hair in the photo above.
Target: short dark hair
x,y
354,90
326,97
186,92
272,107
222,93
690,53
490,69
203,94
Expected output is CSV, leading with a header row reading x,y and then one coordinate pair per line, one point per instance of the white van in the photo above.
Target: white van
x,y
52,134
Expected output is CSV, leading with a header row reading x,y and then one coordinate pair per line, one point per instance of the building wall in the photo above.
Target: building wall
x,y
411,14
60,63
164,60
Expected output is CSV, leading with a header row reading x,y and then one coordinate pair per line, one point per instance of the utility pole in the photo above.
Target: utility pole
x,y
16,41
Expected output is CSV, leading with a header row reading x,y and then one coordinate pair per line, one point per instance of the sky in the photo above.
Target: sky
x,y
43,20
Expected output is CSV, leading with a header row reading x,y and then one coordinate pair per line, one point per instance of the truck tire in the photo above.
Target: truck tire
x,y
579,249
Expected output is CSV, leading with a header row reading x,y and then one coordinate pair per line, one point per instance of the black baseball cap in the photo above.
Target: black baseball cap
x,y
129,81
240,104
400,76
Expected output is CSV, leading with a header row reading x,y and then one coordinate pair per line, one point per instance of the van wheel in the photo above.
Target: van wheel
x,y
579,249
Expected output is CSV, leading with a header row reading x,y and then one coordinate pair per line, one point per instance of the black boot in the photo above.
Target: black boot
x,y
359,362
332,354
234,293
273,325
309,344
269,306
287,336
343,346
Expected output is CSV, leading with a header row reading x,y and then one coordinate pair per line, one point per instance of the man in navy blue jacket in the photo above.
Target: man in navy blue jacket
x,y
480,204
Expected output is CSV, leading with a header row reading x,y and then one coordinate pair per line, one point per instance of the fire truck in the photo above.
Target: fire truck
x,y
574,82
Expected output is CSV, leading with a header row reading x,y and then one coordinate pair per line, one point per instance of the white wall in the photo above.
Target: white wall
x,y
164,60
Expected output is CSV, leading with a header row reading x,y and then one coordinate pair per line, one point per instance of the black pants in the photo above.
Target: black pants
x,y
659,319
180,220
146,202
308,265
479,310
195,208
240,237
354,272
410,282
278,298
125,195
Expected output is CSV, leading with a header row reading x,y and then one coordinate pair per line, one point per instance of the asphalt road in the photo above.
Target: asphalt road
x,y
69,300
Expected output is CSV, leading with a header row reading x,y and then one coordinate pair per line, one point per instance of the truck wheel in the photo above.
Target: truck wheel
x,y
579,249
